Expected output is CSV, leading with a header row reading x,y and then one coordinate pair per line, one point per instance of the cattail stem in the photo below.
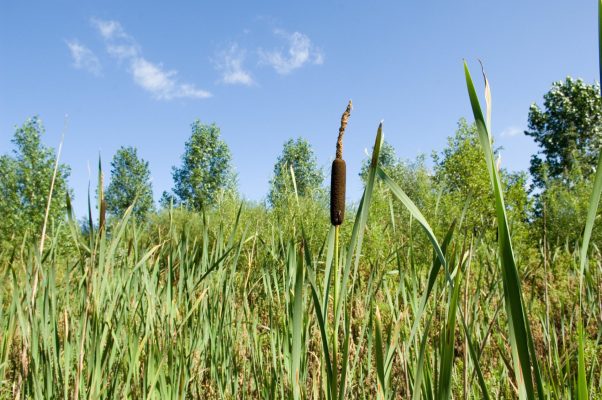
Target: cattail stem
x,y
335,328
336,264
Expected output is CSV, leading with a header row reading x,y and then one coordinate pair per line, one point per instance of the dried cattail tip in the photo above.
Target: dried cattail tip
x,y
337,191
344,119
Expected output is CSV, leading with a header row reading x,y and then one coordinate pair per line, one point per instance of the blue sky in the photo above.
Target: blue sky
x,y
139,73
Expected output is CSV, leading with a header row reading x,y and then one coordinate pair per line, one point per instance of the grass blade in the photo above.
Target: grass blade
x,y
297,329
525,362
582,391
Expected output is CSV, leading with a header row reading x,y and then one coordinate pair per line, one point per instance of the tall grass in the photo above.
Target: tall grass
x,y
231,307
228,303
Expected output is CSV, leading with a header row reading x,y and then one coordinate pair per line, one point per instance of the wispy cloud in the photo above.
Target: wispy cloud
x,y
162,84
109,29
123,51
511,131
300,51
83,57
230,63
118,43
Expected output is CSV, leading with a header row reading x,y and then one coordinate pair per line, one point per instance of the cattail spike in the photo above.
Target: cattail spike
x,y
337,191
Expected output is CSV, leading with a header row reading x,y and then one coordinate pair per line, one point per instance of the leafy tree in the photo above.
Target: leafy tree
x,y
205,170
461,175
299,155
460,168
561,209
167,199
568,130
25,179
390,222
130,180
412,176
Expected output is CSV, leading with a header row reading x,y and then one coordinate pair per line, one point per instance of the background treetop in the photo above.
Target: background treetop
x,y
298,154
25,179
130,180
206,167
568,130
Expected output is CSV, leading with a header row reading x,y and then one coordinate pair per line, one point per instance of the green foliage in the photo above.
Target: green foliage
x,y
25,179
299,155
560,205
206,168
130,181
237,302
461,175
569,133
459,167
568,130
168,199
412,176
388,217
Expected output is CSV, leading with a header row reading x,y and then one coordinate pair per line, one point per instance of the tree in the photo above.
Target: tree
x,y
167,199
411,175
568,130
460,168
461,175
25,179
561,209
390,223
205,169
299,155
130,180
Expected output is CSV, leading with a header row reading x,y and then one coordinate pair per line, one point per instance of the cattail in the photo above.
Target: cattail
x,y
338,176
337,191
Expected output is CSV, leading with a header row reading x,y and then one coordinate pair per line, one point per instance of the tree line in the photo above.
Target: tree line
x,y
567,129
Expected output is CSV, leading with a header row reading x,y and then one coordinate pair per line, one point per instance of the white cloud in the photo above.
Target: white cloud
x,y
83,57
300,51
230,63
162,84
109,29
118,43
511,131
123,51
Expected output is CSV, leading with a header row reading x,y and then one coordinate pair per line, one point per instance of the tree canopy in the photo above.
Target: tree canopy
x,y
206,168
568,130
461,176
130,180
299,155
25,183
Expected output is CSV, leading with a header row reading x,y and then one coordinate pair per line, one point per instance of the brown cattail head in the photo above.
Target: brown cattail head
x,y
337,191
338,175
